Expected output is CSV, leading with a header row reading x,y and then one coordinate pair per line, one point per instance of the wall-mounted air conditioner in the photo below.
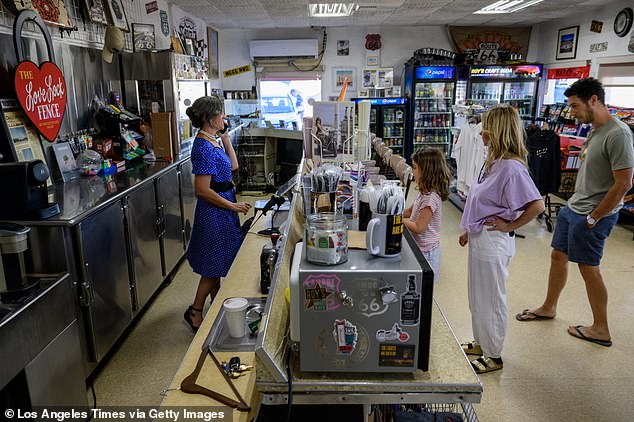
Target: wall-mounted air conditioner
x,y
261,49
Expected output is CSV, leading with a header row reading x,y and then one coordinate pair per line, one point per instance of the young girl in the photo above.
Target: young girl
x,y
432,176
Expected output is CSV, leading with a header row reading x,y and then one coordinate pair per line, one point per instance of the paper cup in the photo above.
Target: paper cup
x,y
235,313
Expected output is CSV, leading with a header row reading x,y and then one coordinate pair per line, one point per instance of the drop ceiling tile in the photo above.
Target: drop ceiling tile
x,y
294,13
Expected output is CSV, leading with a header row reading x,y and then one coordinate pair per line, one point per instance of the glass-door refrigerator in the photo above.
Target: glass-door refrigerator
x,y
389,120
516,85
432,89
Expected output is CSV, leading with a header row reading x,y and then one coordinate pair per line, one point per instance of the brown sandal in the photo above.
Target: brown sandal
x,y
485,364
472,349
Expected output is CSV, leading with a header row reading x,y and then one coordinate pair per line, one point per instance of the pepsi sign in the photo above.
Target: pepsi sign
x,y
435,72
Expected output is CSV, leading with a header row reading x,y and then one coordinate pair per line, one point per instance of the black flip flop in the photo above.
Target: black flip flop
x,y
604,343
527,312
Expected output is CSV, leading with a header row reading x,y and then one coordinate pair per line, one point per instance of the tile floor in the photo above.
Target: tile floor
x,y
548,375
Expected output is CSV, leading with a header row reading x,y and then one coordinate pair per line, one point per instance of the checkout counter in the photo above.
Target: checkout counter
x,y
448,380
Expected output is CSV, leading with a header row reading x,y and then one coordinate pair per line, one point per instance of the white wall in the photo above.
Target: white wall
x,y
398,45
543,44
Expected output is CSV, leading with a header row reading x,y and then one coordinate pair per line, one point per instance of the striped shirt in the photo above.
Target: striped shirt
x,y
430,238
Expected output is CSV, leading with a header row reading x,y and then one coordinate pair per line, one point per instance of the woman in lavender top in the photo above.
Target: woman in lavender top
x,y
501,200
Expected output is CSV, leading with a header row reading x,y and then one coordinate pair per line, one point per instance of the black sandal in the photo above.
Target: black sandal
x,y
188,315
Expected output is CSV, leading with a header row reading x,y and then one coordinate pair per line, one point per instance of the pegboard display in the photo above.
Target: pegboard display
x,y
88,34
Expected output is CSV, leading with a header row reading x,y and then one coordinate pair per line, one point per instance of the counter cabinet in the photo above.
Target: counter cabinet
x,y
119,249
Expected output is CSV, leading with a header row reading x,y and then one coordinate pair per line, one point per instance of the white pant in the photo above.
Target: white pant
x,y
433,259
490,255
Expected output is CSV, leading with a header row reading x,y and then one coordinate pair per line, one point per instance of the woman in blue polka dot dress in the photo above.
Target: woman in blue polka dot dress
x,y
216,235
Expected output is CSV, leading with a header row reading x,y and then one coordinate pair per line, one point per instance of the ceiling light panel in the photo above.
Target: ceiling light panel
x,y
331,10
506,6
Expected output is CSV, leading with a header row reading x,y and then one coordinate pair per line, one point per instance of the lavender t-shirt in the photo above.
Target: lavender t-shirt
x,y
504,192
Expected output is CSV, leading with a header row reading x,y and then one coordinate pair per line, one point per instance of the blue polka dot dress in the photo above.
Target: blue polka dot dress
x,y
216,235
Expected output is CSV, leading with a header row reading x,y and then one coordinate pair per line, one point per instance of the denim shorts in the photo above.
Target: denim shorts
x,y
573,237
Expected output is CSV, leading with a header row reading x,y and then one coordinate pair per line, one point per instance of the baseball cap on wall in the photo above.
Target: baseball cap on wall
x,y
113,43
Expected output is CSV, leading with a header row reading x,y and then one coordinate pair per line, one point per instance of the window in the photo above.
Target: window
x,y
618,82
285,101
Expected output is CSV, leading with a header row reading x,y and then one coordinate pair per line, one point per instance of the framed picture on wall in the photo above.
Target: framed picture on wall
x,y
143,36
213,53
343,47
385,77
117,14
369,78
339,76
52,12
567,40
96,11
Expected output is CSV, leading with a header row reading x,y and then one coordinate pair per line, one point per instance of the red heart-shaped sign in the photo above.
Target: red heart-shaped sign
x,y
42,94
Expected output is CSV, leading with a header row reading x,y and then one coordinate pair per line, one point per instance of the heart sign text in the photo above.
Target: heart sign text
x,y
41,92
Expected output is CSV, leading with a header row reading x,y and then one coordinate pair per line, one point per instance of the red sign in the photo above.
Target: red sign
x,y
42,94
373,42
569,73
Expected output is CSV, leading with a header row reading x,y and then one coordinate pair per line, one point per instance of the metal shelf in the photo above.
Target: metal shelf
x,y
433,112
431,143
432,128
433,98
394,122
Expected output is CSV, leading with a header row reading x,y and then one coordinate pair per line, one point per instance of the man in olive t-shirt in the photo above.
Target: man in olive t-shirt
x,y
605,176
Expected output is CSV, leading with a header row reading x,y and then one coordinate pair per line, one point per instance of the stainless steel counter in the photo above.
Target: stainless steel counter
x,y
82,197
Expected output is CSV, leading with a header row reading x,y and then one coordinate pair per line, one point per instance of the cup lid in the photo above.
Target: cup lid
x,y
235,304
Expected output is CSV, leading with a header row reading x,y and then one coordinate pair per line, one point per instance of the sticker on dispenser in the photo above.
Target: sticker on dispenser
x,y
410,303
399,355
316,298
345,335
394,334
328,282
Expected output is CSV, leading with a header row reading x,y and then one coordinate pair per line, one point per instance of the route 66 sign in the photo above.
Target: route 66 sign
x,y
373,42
487,53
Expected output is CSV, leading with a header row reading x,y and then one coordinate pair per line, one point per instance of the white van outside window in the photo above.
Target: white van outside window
x,y
288,100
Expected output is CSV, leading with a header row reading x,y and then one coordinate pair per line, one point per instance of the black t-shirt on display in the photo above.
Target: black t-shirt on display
x,y
544,159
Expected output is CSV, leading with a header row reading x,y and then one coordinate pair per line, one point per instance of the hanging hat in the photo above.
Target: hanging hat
x,y
113,43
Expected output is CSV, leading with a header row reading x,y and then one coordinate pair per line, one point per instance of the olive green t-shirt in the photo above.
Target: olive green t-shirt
x,y
608,148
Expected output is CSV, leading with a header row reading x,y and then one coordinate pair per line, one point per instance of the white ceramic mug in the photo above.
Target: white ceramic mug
x,y
384,235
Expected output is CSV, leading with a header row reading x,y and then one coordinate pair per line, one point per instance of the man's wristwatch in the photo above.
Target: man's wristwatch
x,y
591,220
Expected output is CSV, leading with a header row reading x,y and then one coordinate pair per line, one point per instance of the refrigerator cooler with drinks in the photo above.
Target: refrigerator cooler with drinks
x,y
516,85
389,121
432,89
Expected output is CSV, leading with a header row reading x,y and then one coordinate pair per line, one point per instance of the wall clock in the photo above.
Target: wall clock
x,y
623,22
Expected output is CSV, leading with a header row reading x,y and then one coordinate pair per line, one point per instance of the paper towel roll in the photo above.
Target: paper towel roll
x,y
364,115
308,140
